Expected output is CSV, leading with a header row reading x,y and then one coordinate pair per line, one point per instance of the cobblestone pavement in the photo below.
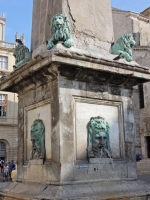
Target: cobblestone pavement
x,y
3,184
145,178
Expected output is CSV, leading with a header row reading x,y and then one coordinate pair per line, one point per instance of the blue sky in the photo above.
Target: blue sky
x,y
19,15
131,5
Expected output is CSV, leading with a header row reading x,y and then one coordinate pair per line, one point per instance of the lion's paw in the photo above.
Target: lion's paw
x,y
129,58
68,43
49,45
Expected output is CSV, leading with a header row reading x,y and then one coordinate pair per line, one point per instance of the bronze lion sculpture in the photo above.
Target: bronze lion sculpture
x,y
60,31
21,54
124,46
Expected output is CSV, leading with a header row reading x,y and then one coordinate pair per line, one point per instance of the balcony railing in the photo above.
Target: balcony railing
x,y
7,44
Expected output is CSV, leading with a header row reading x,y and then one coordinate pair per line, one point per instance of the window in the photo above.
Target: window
x,y
141,95
3,62
2,150
2,146
3,105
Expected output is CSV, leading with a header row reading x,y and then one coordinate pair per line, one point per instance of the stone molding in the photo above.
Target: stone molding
x,y
10,125
120,121
132,14
142,48
29,74
26,109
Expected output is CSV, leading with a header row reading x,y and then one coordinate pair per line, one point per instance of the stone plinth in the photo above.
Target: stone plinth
x,y
65,88
36,162
112,190
91,27
100,160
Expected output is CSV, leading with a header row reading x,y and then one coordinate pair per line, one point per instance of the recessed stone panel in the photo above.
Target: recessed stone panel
x,y
42,111
112,114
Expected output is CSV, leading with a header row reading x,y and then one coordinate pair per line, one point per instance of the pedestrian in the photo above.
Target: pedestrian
x,y
11,167
9,170
14,173
2,165
6,172
138,157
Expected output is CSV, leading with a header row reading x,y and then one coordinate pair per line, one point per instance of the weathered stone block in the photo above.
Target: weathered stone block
x,y
96,35
36,162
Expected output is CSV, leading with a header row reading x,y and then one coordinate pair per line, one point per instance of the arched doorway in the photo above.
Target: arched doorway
x,y
2,150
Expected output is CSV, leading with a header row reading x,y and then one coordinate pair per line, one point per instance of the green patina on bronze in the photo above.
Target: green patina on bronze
x,y
60,30
38,139
98,138
21,53
124,46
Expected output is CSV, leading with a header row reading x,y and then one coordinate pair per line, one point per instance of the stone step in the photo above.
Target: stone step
x,y
144,161
143,166
143,172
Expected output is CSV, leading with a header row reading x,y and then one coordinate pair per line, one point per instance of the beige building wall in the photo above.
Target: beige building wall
x,y
139,26
134,23
146,12
8,121
145,120
142,55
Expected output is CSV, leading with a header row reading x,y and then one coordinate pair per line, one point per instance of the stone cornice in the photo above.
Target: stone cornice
x,y
146,11
46,67
132,14
6,49
141,48
7,46
6,125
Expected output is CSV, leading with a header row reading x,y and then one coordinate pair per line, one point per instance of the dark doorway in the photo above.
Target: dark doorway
x,y
148,146
2,150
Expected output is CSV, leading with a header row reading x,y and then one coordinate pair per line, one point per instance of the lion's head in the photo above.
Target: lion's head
x,y
128,40
60,29
20,51
37,130
98,128
58,21
38,139
98,138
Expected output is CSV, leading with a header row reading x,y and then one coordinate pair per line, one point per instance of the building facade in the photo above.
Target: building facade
x,y
8,101
139,26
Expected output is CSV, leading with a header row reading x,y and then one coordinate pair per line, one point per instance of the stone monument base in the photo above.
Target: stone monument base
x,y
100,160
36,162
112,190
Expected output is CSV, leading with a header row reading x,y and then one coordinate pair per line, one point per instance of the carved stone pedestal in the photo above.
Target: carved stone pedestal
x,y
100,161
36,162
65,90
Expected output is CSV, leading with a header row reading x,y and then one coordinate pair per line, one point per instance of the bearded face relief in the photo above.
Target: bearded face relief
x,y
38,139
60,31
98,138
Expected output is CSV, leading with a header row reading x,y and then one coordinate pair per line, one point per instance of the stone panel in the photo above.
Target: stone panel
x,y
86,35
90,34
86,110
41,111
